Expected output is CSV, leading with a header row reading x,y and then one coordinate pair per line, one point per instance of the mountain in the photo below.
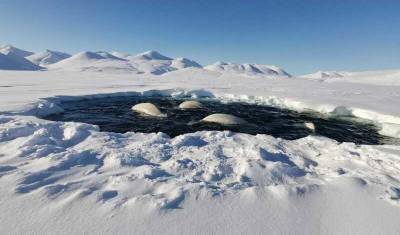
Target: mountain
x,y
181,63
12,61
326,75
47,57
150,55
107,55
149,62
248,69
122,55
155,63
94,61
5,49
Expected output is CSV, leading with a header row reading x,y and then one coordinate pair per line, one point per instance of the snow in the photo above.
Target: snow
x,y
63,178
47,57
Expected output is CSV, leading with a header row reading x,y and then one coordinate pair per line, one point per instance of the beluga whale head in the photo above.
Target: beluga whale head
x,y
310,126
191,104
224,119
148,109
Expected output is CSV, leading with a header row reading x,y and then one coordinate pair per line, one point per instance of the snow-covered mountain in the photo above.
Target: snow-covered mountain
x,y
6,49
118,54
155,63
47,57
10,60
326,74
248,69
107,55
149,62
94,61
149,55
181,63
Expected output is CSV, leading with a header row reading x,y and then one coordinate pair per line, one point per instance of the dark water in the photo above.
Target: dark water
x,y
115,115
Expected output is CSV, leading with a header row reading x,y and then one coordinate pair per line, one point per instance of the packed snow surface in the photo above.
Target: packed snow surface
x,y
70,178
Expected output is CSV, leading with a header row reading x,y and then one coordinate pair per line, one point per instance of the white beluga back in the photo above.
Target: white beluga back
x,y
310,126
224,119
191,104
148,109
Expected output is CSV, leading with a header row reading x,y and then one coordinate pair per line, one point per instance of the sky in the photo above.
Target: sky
x,y
299,36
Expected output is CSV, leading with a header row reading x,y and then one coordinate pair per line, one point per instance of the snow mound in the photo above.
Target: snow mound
x,y
11,61
47,57
6,49
248,69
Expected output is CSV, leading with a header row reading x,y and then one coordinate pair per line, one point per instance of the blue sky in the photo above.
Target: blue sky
x,y
300,36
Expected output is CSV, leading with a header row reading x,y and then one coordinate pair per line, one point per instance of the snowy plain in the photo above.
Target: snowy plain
x,y
63,178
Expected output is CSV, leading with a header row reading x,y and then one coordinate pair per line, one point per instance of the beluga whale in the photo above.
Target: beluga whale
x,y
310,126
191,104
148,109
224,119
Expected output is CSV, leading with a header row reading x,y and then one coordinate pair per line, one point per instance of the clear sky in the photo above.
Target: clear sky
x,y
300,36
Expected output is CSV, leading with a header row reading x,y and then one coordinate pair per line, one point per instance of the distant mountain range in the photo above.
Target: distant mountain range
x,y
149,62
323,75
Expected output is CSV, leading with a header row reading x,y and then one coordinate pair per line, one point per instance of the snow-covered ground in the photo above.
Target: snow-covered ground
x,y
64,178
